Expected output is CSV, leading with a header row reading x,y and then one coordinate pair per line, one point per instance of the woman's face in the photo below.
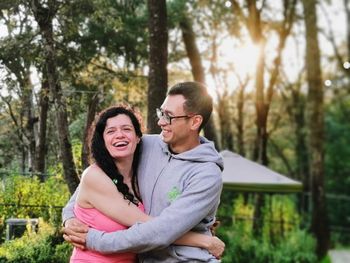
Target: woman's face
x,y
120,137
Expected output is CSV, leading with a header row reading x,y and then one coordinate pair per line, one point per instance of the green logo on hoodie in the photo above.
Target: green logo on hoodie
x,y
173,194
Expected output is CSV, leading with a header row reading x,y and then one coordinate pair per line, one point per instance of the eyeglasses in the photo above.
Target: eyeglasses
x,y
167,118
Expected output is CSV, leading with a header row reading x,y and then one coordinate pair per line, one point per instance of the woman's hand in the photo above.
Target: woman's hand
x,y
216,247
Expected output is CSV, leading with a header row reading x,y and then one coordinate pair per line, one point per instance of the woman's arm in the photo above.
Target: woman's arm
x,y
98,191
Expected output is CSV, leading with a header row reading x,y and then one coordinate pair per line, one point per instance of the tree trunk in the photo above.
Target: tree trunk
x,y
240,119
29,119
158,60
260,151
44,16
198,74
223,110
192,51
89,120
347,12
319,224
302,153
40,162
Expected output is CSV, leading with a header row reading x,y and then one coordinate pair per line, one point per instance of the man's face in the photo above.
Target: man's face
x,y
175,134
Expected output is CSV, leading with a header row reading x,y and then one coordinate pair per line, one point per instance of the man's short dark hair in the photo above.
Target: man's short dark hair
x,y
198,101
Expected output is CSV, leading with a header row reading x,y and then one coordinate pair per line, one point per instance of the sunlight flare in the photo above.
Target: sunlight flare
x,y
243,58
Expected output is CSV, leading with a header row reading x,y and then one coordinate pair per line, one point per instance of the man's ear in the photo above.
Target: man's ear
x,y
196,122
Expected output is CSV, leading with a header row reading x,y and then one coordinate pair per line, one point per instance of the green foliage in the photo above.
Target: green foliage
x,y
46,246
337,160
242,246
115,26
298,247
326,260
281,240
26,197
337,152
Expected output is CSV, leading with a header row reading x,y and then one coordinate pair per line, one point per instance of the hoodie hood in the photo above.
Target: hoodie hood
x,y
205,152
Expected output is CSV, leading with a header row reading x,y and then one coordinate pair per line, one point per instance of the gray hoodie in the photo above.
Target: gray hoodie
x,y
181,191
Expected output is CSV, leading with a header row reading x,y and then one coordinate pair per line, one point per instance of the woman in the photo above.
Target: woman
x,y
108,197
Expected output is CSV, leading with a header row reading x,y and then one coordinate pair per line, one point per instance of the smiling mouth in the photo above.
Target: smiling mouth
x,y
120,144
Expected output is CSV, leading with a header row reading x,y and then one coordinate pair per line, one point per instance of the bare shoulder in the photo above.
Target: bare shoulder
x,y
93,176
96,183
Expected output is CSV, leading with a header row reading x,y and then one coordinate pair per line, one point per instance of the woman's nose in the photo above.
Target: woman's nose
x,y
119,133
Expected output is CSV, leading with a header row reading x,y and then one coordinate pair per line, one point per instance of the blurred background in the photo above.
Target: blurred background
x,y
279,73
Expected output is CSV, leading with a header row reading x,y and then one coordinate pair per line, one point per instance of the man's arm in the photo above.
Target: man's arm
x,y
110,202
199,198
68,210
74,230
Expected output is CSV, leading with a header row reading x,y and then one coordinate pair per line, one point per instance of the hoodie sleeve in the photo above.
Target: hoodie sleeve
x,y
200,197
68,210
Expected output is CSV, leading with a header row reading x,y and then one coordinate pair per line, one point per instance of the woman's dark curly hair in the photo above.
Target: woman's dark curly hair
x,y
104,160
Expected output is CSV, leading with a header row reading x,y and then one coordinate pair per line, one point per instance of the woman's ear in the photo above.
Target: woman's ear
x,y
196,122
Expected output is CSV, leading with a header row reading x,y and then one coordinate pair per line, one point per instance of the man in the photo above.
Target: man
x,y
180,185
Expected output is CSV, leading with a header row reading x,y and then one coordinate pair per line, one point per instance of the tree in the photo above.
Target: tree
x,y
263,95
92,108
339,57
319,223
189,39
44,14
240,119
18,54
158,60
258,35
40,163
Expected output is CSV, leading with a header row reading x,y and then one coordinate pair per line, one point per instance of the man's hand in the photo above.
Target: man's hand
x,y
216,247
75,232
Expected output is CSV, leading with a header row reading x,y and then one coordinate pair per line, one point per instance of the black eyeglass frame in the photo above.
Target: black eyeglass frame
x,y
167,118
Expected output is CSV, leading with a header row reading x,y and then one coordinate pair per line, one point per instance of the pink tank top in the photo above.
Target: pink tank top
x,y
95,219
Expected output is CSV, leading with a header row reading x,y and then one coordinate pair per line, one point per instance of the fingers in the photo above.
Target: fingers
x,y
218,248
75,223
76,237
75,230
75,233
75,241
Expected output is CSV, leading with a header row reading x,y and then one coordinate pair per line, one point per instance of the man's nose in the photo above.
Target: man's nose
x,y
161,122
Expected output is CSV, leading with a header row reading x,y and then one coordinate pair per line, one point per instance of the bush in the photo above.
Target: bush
x,y
46,246
280,239
297,246
27,197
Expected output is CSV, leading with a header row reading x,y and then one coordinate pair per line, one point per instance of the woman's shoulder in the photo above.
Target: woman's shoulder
x,y
92,173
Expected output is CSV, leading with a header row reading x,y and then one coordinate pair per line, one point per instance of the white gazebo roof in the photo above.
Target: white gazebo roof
x,y
242,174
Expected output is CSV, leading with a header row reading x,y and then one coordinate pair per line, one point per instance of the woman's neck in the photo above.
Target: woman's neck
x,y
125,169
